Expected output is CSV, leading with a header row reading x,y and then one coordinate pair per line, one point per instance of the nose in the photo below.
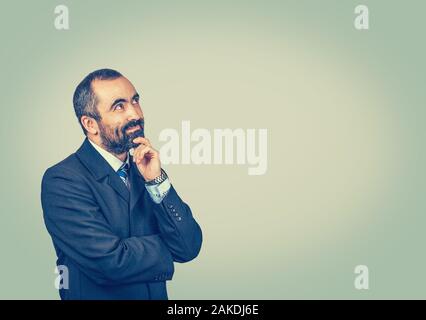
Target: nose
x,y
134,113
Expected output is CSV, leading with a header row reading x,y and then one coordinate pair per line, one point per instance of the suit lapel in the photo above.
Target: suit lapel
x,y
100,168
117,184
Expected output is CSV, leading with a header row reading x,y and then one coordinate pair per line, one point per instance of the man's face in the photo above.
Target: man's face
x,y
121,115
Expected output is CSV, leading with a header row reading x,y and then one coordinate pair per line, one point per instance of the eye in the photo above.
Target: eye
x,y
118,106
135,100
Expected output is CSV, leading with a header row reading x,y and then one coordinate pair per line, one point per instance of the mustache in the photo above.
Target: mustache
x,y
133,123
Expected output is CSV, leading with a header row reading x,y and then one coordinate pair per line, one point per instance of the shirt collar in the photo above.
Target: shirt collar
x,y
112,160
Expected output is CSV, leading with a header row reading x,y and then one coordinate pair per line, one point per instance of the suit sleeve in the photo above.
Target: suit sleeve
x,y
179,230
81,232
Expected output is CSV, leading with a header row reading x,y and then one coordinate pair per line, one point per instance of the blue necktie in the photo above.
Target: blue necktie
x,y
122,172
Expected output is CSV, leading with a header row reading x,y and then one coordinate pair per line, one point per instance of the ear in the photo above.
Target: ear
x,y
90,124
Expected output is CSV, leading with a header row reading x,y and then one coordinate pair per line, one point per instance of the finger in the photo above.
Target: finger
x,y
137,154
142,140
143,152
140,146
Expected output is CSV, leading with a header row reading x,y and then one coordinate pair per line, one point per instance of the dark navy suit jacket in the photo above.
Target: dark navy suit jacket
x,y
116,243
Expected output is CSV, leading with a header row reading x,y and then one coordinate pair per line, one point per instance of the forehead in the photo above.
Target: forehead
x,y
107,91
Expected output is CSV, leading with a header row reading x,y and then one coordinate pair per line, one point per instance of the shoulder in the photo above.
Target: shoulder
x,y
68,169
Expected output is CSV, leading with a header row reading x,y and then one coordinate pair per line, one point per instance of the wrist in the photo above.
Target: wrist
x,y
157,180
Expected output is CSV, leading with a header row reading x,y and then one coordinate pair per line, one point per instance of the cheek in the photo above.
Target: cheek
x,y
116,125
112,129
139,111
119,128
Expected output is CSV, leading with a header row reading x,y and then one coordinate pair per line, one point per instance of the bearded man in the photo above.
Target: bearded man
x,y
116,221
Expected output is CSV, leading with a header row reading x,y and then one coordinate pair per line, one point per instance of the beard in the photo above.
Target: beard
x,y
116,140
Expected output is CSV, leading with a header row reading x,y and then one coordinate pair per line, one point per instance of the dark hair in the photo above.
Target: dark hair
x,y
84,98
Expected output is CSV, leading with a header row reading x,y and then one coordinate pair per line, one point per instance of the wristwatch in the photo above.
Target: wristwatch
x,y
162,177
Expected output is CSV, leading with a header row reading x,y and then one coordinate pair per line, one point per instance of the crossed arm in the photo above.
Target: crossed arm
x,y
79,229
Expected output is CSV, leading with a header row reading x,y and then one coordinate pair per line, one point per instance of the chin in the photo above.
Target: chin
x,y
133,135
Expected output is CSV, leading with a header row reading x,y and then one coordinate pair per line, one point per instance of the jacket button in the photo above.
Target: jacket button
x,y
179,218
173,210
170,206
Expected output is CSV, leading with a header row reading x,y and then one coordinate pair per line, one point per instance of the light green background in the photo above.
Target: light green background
x,y
344,110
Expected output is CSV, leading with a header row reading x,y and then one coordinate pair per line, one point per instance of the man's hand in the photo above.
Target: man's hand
x,y
147,159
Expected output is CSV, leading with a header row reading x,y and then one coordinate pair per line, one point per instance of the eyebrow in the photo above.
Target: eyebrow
x,y
119,100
